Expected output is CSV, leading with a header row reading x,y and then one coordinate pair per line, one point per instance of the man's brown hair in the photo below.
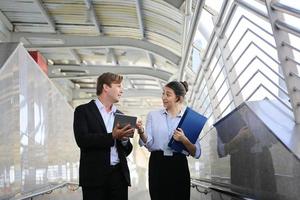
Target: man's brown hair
x,y
107,78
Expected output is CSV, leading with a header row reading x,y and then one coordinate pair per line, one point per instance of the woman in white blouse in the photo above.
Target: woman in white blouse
x,y
169,176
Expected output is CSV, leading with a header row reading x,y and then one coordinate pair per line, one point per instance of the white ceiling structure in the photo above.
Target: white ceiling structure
x,y
229,51
140,39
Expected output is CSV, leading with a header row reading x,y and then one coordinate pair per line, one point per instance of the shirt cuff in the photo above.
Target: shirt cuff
x,y
198,152
141,143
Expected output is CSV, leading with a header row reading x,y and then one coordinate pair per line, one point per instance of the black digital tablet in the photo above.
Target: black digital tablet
x,y
123,120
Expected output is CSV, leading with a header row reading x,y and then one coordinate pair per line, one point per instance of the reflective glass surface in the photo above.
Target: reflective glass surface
x,y
36,136
243,156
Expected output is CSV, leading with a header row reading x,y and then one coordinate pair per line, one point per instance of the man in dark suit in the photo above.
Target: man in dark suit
x,y
103,171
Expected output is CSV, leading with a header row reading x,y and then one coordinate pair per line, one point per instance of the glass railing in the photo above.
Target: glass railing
x,y
253,152
37,146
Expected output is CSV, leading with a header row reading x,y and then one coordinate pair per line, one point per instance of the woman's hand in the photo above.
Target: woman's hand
x,y
141,131
139,126
179,135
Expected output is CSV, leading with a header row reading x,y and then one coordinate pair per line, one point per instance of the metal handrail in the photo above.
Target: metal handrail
x,y
219,187
288,28
292,60
295,75
196,183
228,18
221,13
290,46
286,9
45,191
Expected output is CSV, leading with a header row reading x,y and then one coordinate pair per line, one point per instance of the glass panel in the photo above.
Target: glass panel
x,y
36,129
253,48
244,23
200,42
214,4
10,147
229,108
206,24
196,60
250,160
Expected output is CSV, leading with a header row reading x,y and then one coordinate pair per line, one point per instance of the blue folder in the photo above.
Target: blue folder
x,y
191,123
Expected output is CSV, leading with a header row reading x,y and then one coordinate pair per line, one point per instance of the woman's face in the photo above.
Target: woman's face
x,y
169,98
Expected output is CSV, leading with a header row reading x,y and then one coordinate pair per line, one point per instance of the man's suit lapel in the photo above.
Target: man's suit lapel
x,y
93,107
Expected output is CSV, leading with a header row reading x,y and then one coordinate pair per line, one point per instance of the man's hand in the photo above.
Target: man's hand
x,y
120,133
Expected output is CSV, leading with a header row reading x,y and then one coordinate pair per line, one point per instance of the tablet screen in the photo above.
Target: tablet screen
x,y
123,120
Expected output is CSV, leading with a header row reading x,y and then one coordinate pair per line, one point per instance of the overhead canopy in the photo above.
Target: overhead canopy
x,y
83,38
228,51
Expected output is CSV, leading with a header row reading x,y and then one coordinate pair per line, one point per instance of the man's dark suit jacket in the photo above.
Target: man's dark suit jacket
x,y
95,143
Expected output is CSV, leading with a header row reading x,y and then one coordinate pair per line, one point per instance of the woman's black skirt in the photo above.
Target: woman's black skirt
x,y
169,177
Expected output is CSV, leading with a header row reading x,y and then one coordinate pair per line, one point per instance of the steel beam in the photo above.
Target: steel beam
x,y
288,67
91,9
77,72
190,38
6,21
44,12
78,42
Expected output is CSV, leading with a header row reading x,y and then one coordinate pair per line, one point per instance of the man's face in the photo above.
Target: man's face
x,y
114,92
